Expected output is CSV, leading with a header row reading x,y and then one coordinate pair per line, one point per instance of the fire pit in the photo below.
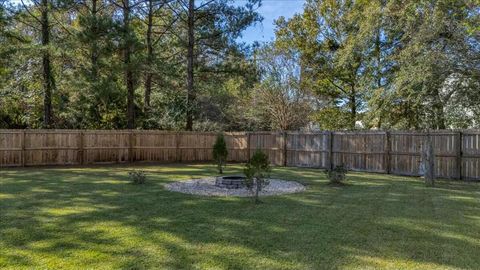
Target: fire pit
x,y
232,186
230,182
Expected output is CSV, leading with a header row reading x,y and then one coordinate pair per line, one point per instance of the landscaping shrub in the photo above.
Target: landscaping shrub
x,y
337,174
256,172
137,177
220,152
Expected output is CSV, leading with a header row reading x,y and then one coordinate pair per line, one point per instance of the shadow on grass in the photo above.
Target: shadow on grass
x,y
92,217
338,184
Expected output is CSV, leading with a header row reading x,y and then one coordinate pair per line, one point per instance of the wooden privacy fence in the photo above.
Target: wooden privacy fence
x,y
457,153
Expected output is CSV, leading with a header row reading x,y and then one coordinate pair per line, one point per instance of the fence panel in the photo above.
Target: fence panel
x,y
360,151
154,146
11,145
196,146
405,152
106,146
470,155
51,147
308,149
237,145
445,145
272,143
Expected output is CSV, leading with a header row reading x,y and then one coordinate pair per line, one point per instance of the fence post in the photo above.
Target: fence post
x,y
459,155
330,151
130,146
23,148
388,148
178,155
285,149
248,145
80,151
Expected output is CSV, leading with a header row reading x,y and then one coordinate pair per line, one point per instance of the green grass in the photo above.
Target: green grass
x,y
92,218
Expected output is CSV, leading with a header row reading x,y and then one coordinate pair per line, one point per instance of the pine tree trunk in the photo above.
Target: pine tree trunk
x,y
190,65
48,81
378,54
94,56
94,46
148,73
128,68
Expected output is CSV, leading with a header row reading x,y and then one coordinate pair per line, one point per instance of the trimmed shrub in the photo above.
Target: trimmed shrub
x,y
137,177
337,174
220,152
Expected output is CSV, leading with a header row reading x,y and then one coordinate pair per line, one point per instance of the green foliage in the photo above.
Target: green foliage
x,y
257,171
435,66
87,51
137,177
403,64
220,152
389,64
331,59
337,174
332,118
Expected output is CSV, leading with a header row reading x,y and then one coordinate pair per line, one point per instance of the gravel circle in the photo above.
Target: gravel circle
x,y
206,187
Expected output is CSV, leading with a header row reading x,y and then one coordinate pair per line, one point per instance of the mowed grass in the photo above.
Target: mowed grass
x,y
92,218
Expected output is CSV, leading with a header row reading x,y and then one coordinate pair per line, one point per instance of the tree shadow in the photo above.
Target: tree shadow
x,y
93,217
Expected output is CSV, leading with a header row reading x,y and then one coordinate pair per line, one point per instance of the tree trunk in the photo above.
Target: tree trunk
x,y
378,55
257,190
128,68
220,166
48,80
94,46
353,109
439,116
378,74
94,56
148,73
428,162
190,64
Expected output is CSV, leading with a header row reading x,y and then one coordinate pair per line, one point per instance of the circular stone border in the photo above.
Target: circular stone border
x,y
207,187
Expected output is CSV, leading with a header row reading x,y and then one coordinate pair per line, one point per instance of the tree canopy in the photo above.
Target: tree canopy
x,y
181,65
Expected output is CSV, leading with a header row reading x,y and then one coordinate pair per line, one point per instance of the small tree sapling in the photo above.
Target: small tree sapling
x,y
256,172
220,152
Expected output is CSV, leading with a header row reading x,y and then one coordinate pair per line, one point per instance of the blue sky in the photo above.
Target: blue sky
x,y
270,10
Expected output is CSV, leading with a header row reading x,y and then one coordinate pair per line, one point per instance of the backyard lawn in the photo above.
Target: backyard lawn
x,y
93,218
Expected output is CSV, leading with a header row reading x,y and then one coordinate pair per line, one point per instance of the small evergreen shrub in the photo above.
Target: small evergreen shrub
x,y
137,177
337,174
256,172
220,152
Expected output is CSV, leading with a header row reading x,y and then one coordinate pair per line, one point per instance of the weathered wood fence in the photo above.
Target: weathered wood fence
x,y
457,153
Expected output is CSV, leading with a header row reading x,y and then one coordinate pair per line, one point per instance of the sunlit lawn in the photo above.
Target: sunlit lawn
x,y
92,218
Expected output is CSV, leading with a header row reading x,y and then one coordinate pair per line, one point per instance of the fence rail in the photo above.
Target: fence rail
x,y
457,152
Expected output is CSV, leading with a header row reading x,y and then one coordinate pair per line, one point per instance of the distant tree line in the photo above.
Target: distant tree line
x,y
180,65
